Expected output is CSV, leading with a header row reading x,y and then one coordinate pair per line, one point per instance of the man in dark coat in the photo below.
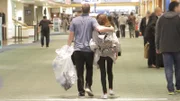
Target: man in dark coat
x,y
168,43
143,25
150,36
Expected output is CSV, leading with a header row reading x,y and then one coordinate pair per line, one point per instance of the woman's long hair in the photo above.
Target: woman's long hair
x,y
111,20
103,20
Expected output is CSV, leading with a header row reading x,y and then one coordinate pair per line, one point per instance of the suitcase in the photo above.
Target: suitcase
x,y
118,34
159,60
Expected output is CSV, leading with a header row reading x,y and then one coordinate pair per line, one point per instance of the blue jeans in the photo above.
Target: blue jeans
x,y
172,59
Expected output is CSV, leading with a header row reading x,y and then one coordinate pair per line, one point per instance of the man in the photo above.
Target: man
x,y
143,25
150,36
45,31
122,22
131,22
81,30
168,43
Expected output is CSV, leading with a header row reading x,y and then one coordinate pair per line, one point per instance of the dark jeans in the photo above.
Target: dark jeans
x,y
102,65
81,59
47,36
170,60
152,52
123,32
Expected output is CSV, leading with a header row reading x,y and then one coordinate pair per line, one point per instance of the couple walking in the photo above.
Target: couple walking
x,y
82,30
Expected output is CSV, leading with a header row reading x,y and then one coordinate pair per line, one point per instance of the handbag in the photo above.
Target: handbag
x,y
146,51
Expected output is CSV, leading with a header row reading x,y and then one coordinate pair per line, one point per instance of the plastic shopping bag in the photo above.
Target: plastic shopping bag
x,y
64,68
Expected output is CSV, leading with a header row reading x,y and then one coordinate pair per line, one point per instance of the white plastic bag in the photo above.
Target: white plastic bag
x,y
64,68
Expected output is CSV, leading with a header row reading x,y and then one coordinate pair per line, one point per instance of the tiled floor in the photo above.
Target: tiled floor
x,y
27,75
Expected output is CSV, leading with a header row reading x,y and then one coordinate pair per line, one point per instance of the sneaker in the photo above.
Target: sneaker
x,y
81,94
89,92
104,96
171,93
111,92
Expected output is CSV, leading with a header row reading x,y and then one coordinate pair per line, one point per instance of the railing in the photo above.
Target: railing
x,y
19,26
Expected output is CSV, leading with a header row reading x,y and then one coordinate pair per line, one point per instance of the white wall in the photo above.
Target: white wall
x,y
20,11
10,24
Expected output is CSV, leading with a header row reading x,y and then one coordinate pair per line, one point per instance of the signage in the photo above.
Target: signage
x,y
0,32
90,1
57,23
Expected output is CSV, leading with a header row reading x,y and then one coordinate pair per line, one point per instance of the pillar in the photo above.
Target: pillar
x,y
166,3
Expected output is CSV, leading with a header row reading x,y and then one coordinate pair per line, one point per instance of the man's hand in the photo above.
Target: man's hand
x,y
158,52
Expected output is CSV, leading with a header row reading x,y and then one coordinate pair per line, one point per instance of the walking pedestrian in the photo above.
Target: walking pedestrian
x,y
150,36
81,30
143,25
168,43
131,22
122,22
106,56
44,25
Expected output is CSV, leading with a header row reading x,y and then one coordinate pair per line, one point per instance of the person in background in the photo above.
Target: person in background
x,y
81,30
131,22
150,36
44,26
122,21
143,25
65,24
168,43
106,58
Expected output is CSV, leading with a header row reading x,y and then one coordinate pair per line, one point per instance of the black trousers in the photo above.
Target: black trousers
x,y
102,65
123,32
47,36
145,41
152,52
81,59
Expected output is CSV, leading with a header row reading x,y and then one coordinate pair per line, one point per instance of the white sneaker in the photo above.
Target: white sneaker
x,y
111,92
89,92
104,96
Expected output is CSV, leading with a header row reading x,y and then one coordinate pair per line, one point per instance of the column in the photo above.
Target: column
x,y
166,3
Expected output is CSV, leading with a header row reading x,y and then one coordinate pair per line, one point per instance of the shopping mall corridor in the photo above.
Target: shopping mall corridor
x,y
27,75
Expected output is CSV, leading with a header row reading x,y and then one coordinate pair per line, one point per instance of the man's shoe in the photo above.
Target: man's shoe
x,y
171,93
81,94
89,92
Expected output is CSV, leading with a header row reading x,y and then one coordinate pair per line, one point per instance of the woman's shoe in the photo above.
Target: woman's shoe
x,y
104,96
111,92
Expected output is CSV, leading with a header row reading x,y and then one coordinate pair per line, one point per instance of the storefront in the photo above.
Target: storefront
x,y
150,5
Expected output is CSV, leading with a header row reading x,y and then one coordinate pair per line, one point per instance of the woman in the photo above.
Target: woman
x,y
65,24
107,51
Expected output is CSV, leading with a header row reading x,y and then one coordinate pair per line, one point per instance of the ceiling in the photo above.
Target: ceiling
x,y
76,3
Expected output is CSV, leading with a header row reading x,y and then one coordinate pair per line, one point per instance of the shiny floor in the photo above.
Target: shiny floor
x,y
26,74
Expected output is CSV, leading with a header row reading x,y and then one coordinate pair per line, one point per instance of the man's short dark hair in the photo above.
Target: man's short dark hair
x,y
44,17
85,8
173,5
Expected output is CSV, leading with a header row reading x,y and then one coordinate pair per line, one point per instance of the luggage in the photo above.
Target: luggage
x,y
159,60
118,34
146,50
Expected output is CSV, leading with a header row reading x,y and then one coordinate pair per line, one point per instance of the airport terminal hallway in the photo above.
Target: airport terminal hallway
x,y
26,74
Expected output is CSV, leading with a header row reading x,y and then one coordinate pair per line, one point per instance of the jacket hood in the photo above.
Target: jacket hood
x,y
170,15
